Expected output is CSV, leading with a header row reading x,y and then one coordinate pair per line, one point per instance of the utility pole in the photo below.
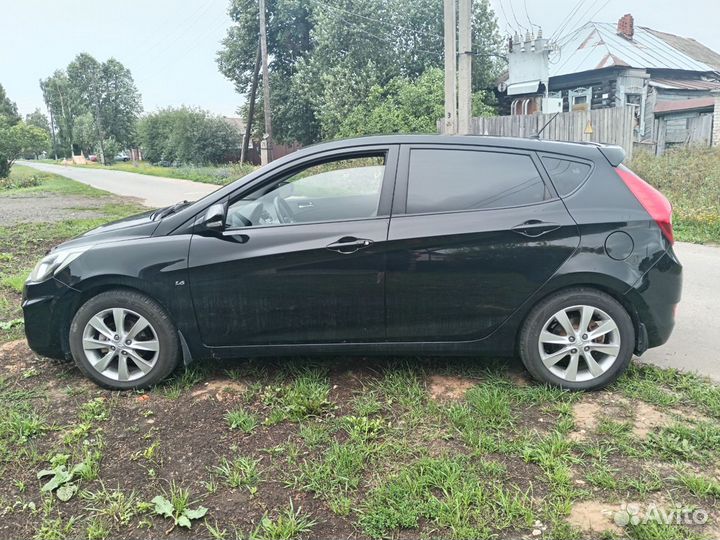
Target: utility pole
x,y
251,108
450,120
266,80
464,66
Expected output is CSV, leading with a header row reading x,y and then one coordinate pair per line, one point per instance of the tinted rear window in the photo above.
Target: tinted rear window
x,y
452,180
566,175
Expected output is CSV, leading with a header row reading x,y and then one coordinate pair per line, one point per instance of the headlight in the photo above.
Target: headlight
x,y
54,262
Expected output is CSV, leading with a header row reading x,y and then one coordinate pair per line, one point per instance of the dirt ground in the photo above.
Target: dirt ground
x,y
340,447
48,208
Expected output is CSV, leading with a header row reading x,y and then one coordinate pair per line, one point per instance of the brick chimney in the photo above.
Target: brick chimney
x,y
626,26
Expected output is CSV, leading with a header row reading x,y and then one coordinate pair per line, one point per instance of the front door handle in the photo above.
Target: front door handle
x,y
349,244
533,228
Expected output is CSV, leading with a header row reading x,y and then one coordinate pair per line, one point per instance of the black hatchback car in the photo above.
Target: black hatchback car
x,y
385,245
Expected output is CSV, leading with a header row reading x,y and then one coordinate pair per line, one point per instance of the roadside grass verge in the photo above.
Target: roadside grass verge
x,y
690,178
25,180
208,174
23,244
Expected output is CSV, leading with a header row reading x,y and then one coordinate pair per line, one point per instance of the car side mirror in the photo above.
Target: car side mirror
x,y
215,217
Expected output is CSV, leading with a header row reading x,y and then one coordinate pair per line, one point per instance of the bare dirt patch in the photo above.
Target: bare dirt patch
x,y
447,387
220,389
594,516
648,419
43,208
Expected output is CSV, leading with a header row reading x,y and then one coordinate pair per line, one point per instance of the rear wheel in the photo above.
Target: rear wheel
x,y
124,340
580,339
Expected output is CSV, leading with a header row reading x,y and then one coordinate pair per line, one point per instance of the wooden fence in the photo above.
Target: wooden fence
x,y
613,126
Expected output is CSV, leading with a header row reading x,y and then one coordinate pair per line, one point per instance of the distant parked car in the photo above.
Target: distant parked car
x,y
122,156
383,245
93,158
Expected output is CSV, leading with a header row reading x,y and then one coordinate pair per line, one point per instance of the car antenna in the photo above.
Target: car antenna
x,y
537,135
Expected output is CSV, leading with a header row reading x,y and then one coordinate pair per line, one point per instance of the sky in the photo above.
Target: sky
x,y
170,45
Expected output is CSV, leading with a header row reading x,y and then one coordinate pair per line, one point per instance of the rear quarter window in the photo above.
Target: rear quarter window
x,y
443,180
566,175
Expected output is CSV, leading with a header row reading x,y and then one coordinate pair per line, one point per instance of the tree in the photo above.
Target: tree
x,y
19,138
8,109
38,119
289,25
106,91
342,52
64,105
186,135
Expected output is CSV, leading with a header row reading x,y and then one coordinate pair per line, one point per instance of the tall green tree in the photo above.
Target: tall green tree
x,y
8,109
343,52
38,119
289,25
104,90
65,106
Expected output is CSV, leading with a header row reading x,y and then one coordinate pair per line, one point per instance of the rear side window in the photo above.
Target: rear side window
x,y
453,180
566,175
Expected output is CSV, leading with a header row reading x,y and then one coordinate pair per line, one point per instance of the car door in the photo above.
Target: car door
x,y
474,232
301,258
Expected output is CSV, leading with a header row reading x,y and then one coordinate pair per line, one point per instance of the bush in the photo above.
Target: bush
x,y
17,182
187,136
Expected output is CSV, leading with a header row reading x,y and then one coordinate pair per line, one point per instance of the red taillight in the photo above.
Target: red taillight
x,y
652,200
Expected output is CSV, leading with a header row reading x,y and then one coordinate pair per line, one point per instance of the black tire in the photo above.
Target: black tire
x,y
540,314
167,357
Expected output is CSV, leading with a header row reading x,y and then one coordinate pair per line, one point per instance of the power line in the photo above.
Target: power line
x,y
387,23
566,20
508,26
394,39
582,21
527,14
512,9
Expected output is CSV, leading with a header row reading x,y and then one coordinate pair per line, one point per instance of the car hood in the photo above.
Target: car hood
x,y
137,226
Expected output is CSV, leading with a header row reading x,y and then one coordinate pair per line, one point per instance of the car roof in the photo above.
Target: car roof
x,y
579,149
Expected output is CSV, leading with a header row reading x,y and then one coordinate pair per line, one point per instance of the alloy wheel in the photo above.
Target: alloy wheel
x,y
579,343
120,344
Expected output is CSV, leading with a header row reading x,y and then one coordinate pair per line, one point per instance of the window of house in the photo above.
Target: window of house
x,y
454,180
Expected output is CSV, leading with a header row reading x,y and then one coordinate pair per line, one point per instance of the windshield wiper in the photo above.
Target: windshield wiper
x,y
159,214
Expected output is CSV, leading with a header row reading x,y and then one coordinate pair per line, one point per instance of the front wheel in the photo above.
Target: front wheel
x,y
124,340
580,339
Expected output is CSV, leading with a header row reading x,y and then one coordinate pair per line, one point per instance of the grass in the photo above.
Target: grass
x,y
336,448
23,244
242,420
208,174
690,178
240,472
25,180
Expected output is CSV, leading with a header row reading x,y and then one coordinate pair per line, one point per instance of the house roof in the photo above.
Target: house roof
x,y
677,105
685,84
236,122
597,45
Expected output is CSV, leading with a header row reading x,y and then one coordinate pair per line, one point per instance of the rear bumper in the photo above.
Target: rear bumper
x,y
655,297
46,310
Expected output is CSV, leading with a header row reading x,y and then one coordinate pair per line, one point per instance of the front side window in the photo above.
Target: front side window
x,y
454,180
336,190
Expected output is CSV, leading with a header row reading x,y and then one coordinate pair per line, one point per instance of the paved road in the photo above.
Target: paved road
x,y
691,347
153,191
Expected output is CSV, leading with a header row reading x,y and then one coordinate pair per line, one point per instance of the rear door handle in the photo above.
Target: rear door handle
x,y
349,244
534,228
